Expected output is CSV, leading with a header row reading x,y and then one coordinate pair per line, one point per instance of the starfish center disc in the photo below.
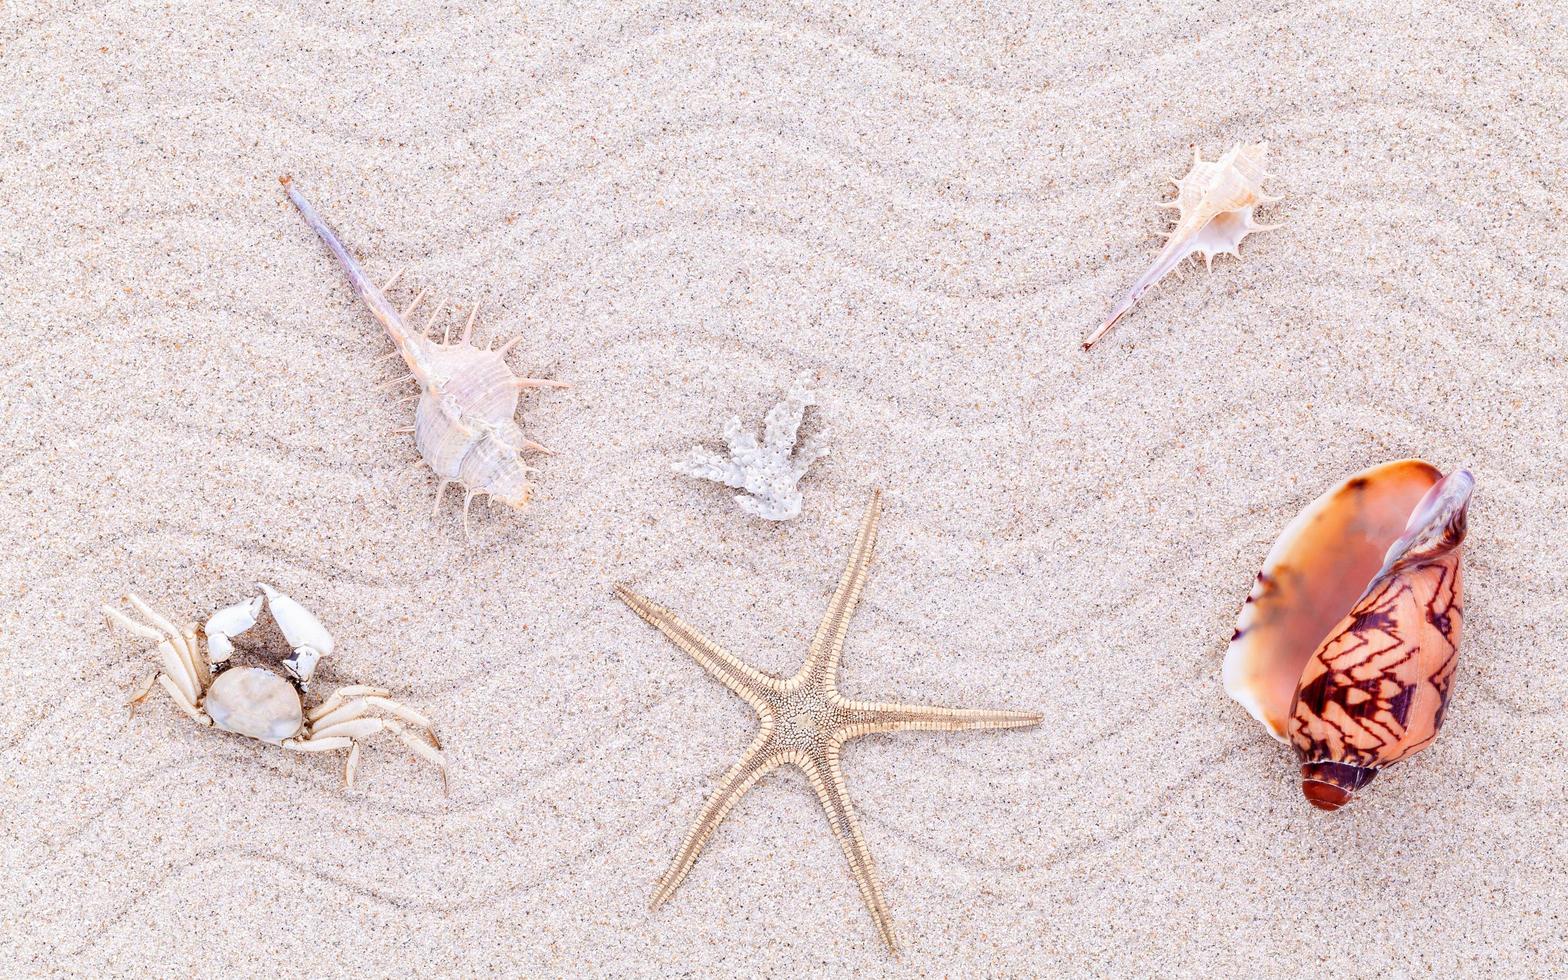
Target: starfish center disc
x,y
805,719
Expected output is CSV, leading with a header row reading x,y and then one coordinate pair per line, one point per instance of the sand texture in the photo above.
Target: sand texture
x,y
684,206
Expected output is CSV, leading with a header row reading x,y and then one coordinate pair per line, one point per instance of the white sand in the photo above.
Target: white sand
x,y
684,205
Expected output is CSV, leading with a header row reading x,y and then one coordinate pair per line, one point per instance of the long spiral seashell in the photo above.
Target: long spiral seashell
x,y
464,425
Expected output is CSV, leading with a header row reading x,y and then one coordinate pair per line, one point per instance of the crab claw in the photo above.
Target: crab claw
x,y
227,623
302,629
302,664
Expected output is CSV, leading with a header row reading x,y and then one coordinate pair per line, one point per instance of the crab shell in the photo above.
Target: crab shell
x,y
255,702
1346,646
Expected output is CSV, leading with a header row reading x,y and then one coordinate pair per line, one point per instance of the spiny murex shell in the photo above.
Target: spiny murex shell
x,y
1216,200
464,426
1346,646
255,702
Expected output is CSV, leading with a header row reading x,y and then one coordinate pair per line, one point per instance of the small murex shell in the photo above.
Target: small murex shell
x,y
464,425
1347,644
1216,200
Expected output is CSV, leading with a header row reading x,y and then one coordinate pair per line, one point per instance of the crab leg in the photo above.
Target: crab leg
x,y
145,632
430,755
420,749
339,696
333,723
349,734
141,693
196,714
178,673
348,711
354,728
203,669
192,661
161,622
350,765
402,711
179,676
316,744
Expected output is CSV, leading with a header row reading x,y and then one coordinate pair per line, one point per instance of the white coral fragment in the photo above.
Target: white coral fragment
x,y
770,471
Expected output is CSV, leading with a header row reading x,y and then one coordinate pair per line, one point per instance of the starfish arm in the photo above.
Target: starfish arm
x,y
731,671
827,778
869,717
759,759
828,645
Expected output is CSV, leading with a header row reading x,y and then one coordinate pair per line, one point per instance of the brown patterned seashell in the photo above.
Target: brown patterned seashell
x,y
1346,646
464,425
1216,200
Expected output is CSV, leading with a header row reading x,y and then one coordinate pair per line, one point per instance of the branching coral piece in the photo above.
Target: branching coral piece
x,y
770,471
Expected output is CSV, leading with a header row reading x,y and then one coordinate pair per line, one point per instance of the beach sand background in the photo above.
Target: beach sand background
x,y
682,206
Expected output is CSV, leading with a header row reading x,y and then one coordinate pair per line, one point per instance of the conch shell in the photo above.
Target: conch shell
x,y
1216,200
464,425
1347,644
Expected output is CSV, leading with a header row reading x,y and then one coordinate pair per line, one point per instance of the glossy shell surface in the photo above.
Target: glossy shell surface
x,y
1371,569
1321,563
464,426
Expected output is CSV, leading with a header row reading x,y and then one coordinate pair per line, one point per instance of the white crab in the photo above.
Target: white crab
x,y
260,704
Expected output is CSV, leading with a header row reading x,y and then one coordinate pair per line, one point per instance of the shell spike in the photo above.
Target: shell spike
x,y
468,328
400,379
434,316
468,500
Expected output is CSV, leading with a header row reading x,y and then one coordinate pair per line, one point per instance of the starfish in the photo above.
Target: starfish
x,y
804,721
